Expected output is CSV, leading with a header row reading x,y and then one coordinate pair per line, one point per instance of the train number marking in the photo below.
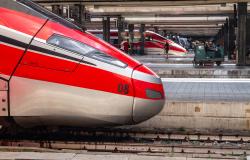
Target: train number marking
x,y
123,88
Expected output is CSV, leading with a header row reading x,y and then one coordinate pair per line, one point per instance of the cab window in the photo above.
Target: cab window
x,y
83,49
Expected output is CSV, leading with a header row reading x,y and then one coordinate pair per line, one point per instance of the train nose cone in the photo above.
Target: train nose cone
x,y
146,109
149,94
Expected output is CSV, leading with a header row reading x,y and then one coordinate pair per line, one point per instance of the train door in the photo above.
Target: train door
x,y
4,100
18,24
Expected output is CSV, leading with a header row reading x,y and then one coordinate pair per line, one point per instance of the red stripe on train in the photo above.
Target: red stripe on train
x,y
30,24
46,68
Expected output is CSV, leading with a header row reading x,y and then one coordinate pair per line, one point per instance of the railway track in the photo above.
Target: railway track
x,y
194,150
194,145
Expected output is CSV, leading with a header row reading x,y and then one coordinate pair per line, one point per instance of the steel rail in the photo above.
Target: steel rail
x,y
227,152
129,141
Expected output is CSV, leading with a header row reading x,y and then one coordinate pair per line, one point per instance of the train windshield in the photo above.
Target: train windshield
x,y
46,13
83,49
16,6
156,34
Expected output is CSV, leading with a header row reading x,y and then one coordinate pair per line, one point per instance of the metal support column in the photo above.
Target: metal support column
x,y
57,9
142,30
241,35
78,14
82,15
131,37
164,33
106,29
121,28
226,36
221,36
235,15
156,29
218,37
248,42
231,38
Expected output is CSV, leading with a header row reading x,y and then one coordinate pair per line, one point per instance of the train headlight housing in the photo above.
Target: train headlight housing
x,y
153,94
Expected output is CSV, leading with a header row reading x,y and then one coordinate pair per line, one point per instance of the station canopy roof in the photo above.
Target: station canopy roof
x,y
186,17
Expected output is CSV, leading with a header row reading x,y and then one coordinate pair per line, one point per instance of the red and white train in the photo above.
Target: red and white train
x,y
54,74
154,43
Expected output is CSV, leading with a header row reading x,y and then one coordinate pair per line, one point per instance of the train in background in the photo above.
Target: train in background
x,y
183,41
52,73
154,42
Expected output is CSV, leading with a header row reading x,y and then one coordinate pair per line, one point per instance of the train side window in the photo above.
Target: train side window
x,y
149,38
83,49
99,36
69,44
114,41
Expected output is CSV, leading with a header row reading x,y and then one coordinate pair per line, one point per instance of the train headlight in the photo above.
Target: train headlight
x,y
153,94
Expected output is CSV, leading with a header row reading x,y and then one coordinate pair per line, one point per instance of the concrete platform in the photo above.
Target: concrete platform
x,y
164,59
206,89
182,67
171,59
86,156
203,117
189,71
204,105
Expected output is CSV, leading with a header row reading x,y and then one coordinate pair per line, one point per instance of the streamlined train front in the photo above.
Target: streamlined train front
x,y
58,75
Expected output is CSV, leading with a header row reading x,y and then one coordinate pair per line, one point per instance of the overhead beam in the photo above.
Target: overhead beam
x,y
164,11
190,26
136,19
187,17
167,10
113,25
139,3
